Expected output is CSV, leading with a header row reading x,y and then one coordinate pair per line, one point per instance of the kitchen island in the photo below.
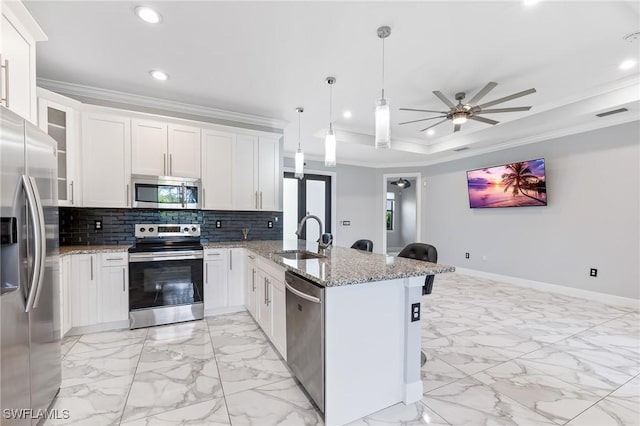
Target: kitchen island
x,y
371,345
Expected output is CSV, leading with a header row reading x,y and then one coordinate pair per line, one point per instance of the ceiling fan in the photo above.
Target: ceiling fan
x,y
460,113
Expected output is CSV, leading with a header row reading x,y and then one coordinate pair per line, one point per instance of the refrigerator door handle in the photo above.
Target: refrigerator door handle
x,y
39,255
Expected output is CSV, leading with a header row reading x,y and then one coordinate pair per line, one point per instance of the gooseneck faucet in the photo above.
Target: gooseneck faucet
x,y
321,244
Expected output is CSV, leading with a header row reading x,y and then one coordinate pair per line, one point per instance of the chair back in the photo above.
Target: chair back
x,y
426,253
364,245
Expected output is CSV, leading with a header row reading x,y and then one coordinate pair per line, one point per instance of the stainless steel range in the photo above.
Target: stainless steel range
x,y
165,275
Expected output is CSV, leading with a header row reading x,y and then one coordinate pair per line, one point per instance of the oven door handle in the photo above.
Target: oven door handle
x,y
155,257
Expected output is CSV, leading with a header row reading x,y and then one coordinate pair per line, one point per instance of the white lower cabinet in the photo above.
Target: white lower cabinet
x,y
224,272
94,291
266,300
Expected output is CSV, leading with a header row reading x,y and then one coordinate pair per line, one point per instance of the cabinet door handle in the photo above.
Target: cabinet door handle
x,y
253,280
206,272
91,258
164,164
114,258
256,200
123,279
170,164
260,200
5,86
72,193
213,254
268,292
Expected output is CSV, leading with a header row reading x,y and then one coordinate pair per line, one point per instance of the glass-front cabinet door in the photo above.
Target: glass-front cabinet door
x,y
59,122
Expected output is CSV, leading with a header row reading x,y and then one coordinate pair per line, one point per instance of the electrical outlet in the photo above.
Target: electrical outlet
x,y
346,223
593,272
415,312
269,224
97,225
466,255
218,224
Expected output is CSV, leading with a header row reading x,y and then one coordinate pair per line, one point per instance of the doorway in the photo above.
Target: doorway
x,y
402,198
311,195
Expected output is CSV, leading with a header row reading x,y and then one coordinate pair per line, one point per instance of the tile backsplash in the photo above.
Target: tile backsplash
x,y
77,225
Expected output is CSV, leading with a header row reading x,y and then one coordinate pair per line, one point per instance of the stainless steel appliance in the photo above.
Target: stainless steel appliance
x,y
305,334
29,289
165,275
165,192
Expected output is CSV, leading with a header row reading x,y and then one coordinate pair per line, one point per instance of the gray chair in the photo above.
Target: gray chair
x,y
364,245
427,253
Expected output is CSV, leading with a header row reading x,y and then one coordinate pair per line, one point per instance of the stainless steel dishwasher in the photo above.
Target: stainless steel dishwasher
x,y
305,334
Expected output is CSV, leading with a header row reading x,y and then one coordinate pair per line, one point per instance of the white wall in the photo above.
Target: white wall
x,y
592,217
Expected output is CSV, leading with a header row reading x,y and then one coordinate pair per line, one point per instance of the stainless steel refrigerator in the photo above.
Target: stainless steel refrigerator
x,y
29,296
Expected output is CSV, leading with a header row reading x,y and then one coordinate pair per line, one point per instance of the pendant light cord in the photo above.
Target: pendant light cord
x,y
330,106
383,68
299,129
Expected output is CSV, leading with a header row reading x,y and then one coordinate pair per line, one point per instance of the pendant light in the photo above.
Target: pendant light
x,y
383,113
330,138
299,154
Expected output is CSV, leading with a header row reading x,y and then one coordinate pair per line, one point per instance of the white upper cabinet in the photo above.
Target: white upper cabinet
x,y
164,149
58,116
106,156
20,32
257,173
218,152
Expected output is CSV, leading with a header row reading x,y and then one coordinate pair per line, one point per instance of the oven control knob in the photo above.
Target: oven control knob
x,y
186,229
193,229
150,229
142,229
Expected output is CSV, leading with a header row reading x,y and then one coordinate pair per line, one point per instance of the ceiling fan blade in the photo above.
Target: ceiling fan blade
x,y
444,99
482,119
508,98
423,110
422,119
456,128
482,93
434,125
514,109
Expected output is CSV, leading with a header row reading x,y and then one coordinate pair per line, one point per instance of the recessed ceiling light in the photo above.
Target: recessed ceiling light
x,y
628,64
431,132
347,114
148,15
530,3
159,75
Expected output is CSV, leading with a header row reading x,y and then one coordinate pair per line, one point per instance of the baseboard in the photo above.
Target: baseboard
x,y
97,328
225,310
609,299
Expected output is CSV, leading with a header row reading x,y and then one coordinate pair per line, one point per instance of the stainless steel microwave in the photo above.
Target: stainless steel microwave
x,y
165,192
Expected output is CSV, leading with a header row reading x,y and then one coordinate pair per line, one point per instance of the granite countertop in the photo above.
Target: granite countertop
x,y
68,250
342,266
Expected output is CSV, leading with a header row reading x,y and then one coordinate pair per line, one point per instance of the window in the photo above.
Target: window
x,y
391,208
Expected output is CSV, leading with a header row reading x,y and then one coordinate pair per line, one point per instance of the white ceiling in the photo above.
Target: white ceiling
x,y
266,58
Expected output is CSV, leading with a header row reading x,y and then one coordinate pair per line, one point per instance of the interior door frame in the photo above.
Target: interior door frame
x,y
334,184
385,177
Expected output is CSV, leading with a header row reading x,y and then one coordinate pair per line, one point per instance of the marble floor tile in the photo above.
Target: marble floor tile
x,y
501,341
234,340
607,413
183,329
207,413
628,395
67,343
437,373
97,403
108,340
594,374
401,414
280,403
540,392
250,369
223,321
470,402
103,364
174,351
166,389
464,354
589,349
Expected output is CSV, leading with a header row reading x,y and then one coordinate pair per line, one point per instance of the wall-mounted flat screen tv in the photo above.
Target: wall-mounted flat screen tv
x,y
520,184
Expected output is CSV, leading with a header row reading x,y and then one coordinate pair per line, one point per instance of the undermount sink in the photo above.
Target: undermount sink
x,y
299,255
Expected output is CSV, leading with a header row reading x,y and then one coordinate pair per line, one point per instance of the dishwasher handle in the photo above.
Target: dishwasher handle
x,y
305,296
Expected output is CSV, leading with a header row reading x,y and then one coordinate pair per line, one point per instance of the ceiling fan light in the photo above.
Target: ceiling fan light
x,y
330,149
459,118
383,125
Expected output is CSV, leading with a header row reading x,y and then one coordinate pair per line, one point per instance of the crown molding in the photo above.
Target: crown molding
x,y
149,102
